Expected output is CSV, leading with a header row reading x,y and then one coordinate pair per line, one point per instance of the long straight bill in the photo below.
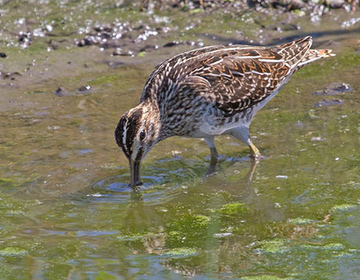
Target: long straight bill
x,y
134,173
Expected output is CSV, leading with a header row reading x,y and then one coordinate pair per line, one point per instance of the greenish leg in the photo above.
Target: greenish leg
x,y
213,156
255,153
242,133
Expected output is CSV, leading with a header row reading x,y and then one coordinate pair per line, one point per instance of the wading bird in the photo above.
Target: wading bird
x,y
207,92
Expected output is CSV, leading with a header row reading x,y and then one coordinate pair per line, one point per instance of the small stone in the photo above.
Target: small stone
x,y
335,4
3,55
49,28
317,139
11,75
117,52
296,5
334,89
84,42
329,102
221,235
171,44
84,89
61,91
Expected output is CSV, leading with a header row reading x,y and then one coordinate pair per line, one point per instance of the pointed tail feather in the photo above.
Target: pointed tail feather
x,y
313,55
295,51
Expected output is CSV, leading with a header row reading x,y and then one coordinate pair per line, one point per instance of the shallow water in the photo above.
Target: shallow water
x,y
67,212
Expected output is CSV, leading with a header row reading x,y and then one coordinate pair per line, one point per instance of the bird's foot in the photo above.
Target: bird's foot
x,y
211,171
136,187
254,152
256,156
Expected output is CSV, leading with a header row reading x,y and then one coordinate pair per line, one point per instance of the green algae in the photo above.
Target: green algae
x,y
102,275
334,246
131,238
233,209
12,251
301,221
180,253
265,277
329,246
7,181
106,79
188,230
14,213
343,208
195,221
141,54
276,246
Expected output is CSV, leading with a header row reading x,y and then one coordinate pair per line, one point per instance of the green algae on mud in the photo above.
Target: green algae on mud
x,y
12,251
275,246
233,209
180,253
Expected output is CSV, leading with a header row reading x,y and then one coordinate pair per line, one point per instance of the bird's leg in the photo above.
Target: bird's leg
x,y
213,155
254,152
242,133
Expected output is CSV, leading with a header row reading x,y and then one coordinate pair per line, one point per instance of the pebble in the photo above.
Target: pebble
x,y
296,5
329,102
317,139
336,4
3,55
334,89
61,92
84,89
190,43
221,235
10,75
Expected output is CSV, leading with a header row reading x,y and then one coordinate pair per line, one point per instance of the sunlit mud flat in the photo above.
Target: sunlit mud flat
x,y
66,209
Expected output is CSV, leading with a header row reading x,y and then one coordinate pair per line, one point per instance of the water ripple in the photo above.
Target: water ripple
x,y
155,189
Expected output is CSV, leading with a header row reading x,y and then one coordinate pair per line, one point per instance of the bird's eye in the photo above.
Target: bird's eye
x,y
142,135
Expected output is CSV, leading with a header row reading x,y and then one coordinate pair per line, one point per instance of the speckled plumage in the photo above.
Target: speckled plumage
x,y
210,91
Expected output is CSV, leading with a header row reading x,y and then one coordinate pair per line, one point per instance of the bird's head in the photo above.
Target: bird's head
x,y
136,133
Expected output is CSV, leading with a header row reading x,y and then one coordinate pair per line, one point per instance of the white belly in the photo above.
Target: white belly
x,y
212,126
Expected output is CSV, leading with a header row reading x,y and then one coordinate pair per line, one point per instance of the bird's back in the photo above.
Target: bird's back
x,y
237,76
225,80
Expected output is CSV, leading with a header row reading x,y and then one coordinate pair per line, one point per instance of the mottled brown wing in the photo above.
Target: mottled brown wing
x,y
238,76
242,79
165,70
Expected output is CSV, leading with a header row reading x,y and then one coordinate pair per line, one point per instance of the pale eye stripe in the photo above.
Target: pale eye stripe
x,y
137,148
124,136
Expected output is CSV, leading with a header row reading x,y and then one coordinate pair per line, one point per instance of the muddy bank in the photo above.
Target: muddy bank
x,y
134,28
42,43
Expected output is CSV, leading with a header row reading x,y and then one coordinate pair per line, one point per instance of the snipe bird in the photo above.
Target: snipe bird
x,y
207,92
